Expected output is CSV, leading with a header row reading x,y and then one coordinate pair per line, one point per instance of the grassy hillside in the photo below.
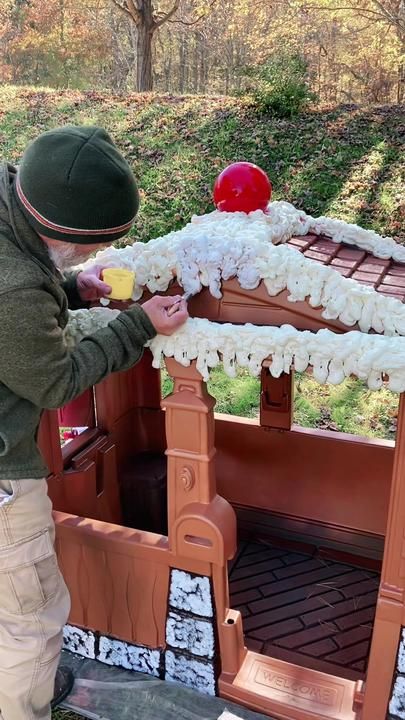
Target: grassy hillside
x,y
344,161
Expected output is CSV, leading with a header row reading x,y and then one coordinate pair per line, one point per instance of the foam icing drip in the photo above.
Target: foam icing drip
x,y
220,246
333,357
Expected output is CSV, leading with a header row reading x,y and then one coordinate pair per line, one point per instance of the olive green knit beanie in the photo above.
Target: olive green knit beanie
x,y
74,185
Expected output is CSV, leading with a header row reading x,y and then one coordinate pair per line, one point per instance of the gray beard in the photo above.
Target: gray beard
x,y
63,259
66,258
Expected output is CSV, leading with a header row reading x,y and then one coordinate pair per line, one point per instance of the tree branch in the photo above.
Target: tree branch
x,y
391,18
167,16
365,12
336,9
129,9
123,8
355,31
135,8
349,96
189,23
356,75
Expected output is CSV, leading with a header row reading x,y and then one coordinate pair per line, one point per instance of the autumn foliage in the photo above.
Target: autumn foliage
x,y
354,50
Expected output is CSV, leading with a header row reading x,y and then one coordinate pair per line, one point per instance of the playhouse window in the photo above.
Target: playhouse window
x,y
350,407
238,396
166,382
77,417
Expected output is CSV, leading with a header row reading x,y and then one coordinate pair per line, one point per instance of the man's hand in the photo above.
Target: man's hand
x,y
90,286
157,311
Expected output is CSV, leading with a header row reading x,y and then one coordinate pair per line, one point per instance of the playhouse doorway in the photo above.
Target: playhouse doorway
x,y
312,508
304,607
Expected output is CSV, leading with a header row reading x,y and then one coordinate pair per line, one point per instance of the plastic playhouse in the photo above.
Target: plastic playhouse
x,y
253,559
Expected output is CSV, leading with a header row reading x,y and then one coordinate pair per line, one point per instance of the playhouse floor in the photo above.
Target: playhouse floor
x,y
305,609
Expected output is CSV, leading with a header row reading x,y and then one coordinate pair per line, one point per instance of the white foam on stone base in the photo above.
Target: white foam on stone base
x,y
81,642
110,651
193,673
130,657
191,594
195,636
401,654
229,716
397,704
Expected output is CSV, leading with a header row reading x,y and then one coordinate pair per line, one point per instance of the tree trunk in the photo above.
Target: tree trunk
x,y
122,60
401,77
133,40
62,41
182,63
226,80
144,77
196,62
203,67
167,71
401,83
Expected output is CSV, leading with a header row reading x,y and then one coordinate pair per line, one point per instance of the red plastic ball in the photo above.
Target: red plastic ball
x,y
242,187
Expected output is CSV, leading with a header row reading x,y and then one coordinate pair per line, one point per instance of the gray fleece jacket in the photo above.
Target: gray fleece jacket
x,y
37,371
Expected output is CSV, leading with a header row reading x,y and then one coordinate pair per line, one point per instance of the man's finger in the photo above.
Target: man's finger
x,y
175,308
103,287
181,314
171,300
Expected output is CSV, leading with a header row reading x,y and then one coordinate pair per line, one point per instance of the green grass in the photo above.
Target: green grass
x,y
343,161
65,715
350,407
235,396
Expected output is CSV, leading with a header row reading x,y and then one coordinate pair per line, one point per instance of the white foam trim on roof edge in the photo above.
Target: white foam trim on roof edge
x,y
220,246
332,356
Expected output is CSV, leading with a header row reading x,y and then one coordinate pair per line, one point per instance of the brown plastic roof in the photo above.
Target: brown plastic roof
x,y
386,276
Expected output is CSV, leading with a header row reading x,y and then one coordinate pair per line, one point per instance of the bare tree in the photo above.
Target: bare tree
x,y
147,21
391,12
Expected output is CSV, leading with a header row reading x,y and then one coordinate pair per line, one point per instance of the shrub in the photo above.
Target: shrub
x,y
281,85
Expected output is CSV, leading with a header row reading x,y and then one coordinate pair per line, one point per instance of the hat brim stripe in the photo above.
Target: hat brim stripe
x,y
62,228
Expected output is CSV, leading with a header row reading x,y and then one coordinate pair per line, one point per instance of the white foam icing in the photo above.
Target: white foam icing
x,y
219,246
332,356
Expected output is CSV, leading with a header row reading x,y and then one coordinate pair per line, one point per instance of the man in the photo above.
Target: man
x,y
73,193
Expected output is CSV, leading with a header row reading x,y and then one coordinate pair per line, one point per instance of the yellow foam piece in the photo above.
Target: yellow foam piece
x,y
121,281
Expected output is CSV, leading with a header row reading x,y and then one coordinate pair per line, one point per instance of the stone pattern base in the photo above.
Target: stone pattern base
x,y
191,654
190,633
112,652
397,702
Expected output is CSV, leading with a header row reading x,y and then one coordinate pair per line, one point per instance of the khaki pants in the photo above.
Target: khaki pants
x,y
34,601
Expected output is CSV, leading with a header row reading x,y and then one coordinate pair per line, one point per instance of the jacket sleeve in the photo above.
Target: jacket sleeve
x,y
69,286
35,362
